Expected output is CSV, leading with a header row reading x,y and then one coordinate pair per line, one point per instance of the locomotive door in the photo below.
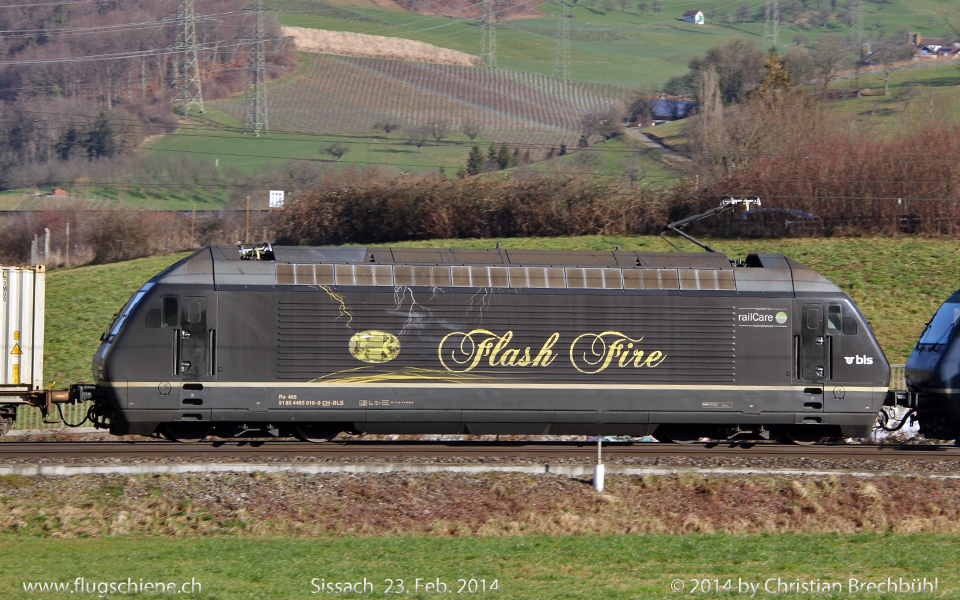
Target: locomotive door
x,y
193,343
813,346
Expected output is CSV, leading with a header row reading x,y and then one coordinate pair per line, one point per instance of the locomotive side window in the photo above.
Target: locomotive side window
x,y
285,275
422,276
324,274
575,278
537,277
170,311
612,280
461,276
403,275
518,277
650,279
593,277
304,274
363,274
706,280
480,276
498,277
555,278
669,279
194,312
834,319
345,275
725,280
441,276
688,280
849,326
383,275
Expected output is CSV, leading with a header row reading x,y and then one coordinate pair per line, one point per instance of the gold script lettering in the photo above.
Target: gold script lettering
x,y
460,352
592,353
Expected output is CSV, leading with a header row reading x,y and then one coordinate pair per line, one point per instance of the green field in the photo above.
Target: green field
x,y
608,45
897,282
628,567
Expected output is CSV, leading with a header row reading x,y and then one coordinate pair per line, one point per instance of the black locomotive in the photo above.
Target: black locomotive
x,y
933,374
311,341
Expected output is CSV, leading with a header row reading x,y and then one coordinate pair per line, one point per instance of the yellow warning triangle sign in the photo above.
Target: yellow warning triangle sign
x,y
16,349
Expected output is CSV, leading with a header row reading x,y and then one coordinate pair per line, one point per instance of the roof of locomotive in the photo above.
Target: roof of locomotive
x,y
486,257
761,272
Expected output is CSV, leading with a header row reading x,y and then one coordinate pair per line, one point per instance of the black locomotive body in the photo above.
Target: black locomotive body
x,y
313,341
933,373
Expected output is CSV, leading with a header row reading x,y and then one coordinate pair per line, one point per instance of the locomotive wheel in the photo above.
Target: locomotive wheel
x,y
802,435
316,433
681,434
6,425
186,432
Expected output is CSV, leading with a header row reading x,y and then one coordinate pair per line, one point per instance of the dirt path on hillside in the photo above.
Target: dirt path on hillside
x,y
649,142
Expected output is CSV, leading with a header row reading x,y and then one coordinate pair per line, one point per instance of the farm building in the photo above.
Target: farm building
x,y
693,16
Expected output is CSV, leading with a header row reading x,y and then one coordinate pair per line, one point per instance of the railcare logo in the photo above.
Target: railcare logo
x,y
590,353
761,317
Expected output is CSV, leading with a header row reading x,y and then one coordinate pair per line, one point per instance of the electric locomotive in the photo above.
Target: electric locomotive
x,y
933,374
312,341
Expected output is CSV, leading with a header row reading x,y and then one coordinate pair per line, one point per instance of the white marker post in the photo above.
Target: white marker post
x,y
598,470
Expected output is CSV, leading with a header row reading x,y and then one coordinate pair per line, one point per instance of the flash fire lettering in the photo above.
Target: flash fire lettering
x,y
480,343
590,353
593,352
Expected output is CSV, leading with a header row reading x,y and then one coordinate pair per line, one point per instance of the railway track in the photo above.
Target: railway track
x,y
440,450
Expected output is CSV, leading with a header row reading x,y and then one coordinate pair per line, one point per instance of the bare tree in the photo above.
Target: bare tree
x,y
419,136
386,127
336,150
891,56
470,129
439,129
829,55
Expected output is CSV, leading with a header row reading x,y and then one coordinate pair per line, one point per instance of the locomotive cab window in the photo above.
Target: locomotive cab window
x,y
834,319
170,311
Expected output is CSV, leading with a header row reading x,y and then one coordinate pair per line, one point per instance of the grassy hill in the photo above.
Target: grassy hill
x,y
608,43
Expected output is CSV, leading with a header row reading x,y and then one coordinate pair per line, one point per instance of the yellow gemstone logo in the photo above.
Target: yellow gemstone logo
x,y
374,346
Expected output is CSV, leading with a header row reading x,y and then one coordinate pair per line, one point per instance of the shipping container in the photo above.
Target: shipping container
x,y
21,338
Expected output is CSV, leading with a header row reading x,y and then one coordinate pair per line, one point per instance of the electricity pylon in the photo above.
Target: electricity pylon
x,y
255,103
488,35
189,92
771,22
561,59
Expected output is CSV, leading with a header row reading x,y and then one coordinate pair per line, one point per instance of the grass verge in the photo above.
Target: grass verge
x,y
537,567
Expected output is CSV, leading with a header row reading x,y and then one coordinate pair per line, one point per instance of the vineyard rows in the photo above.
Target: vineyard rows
x,y
347,95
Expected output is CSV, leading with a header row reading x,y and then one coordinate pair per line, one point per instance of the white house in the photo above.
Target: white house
x,y
693,16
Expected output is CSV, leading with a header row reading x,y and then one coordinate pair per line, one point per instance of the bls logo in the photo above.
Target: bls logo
x,y
861,360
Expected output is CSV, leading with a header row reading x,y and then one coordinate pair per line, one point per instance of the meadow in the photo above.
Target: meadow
x,y
609,43
624,566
